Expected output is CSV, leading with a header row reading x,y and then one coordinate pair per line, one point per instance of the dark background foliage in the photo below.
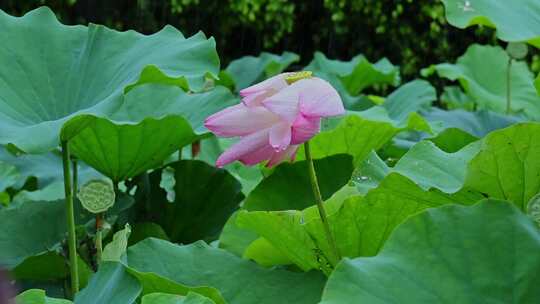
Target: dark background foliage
x,y
412,34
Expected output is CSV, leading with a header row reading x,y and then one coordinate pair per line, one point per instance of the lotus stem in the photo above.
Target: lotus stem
x,y
75,177
195,149
99,241
320,203
508,83
70,220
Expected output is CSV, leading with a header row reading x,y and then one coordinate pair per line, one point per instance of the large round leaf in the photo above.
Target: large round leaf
x,y
454,98
133,141
478,123
409,98
360,132
356,74
516,20
167,298
247,70
9,175
351,77
425,164
51,72
289,186
537,83
213,147
37,296
507,166
482,73
152,283
29,229
195,213
111,284
239,281
360,225
431,167
46,168
451,254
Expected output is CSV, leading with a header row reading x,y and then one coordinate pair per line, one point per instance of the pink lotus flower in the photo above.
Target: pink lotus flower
x,y
275,117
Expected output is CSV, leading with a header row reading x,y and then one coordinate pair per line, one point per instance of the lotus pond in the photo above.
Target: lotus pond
x,y
136,169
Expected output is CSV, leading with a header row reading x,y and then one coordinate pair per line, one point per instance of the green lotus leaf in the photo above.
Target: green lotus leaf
x,y
29,230
454,98
9,175
370,173
111,284
424,177
537,84
477,124
52,71
351,77
502,165
143,230
360,132
118,246
154,283
33,228
247,243
121,151
235,239
408,98
278,192
49,269
48,266
431,167
261,250
481,72
122,284
213,146
195,213
201,265
37,296
44,167
452,139
141,135
514,20
249,69
451,254
507,166
401,110
360,224
167,298
425,164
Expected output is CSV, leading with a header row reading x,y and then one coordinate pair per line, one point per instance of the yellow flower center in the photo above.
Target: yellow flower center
x,y
294,77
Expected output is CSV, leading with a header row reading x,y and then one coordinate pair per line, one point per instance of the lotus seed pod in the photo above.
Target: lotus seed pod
x,y
97,196
516,50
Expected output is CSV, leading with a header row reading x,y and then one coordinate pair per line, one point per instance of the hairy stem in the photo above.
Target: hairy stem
x,y
70,220
508,83
75,177
99,241
319,200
